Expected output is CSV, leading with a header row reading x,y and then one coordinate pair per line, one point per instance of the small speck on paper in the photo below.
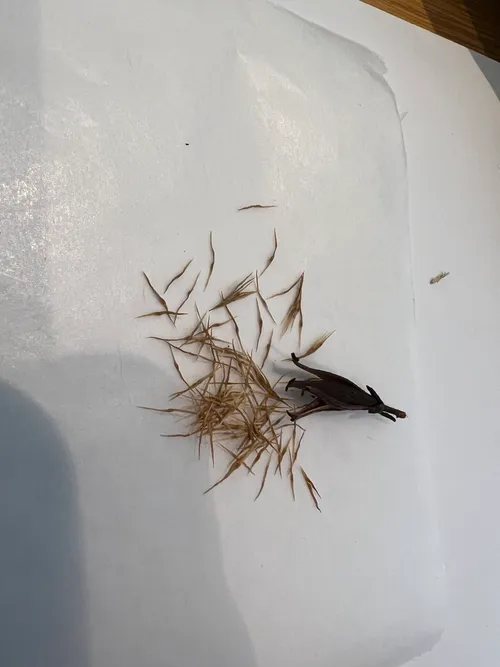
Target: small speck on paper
x,y
439,277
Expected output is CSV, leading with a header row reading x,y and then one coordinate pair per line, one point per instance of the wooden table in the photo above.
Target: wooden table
x,y
473,23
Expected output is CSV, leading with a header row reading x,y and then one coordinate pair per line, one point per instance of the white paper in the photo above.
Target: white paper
x,y
130,132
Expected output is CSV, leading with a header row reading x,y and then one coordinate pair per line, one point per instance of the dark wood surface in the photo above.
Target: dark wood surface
x,y
472,23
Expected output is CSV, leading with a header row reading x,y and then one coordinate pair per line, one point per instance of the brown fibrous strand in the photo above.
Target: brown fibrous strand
x,y
177,276
294,312
315,345
240,291
212,261
271,257
246,208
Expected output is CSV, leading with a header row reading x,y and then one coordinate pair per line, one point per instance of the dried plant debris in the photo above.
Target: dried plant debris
x,y
235,325
263,301
271,257
158,313
227,399
260,324
189,292
231,404
333,392
268,348
157,296
177,276
264,476
212,261
287,289
315,345
247,208
294,312
240,291
313,491
165,309
439,277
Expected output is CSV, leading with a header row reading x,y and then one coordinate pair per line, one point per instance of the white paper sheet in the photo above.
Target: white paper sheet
x,y
130,132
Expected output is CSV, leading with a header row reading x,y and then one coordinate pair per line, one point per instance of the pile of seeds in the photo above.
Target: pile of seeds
x,y
232,405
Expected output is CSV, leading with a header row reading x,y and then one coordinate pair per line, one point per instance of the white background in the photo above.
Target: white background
x,y
107,120
452,136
